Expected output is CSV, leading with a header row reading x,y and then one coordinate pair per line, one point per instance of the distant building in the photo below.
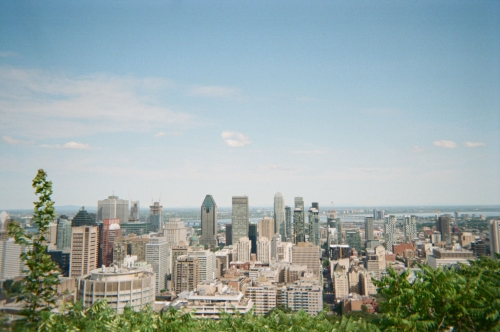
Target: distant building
x,y
252,235
340,282
134,227
369,230
239,217
494,226
443,225
186,275
131,245
288,224
390,231
175,232
410,228
229,234
155,217
209,222
299,225
443,257
265,227
243,249
84,250
279,215
134,211
314,224
11,265
263,250
353,239
206,264
83,218
109,231
158,255
306,253
63,234
111,208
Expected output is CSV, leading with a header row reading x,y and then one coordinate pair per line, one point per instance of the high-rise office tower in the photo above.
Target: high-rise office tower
x,y
410,228
443,225
155,217
314,224
109,231
375,214
186,275
158,255
494,226
305,253
132,245
299,222
331,224
111,208
83,218
390,232
229,234
209,222
265,227
63,234
239,217
279,215
134,211
368,230
175,232
252,235
84,250
353,239
243,249
263,250
10,264
339,227
288,224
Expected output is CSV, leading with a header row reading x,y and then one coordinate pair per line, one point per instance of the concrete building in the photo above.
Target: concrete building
x,y
243,249
369,230
131,245
353,239
11,266
175,232
390,231
206,261
120,287
111,208
263,296
209,224
365,280
494,226
186,275
284,252
444,257
340,282
155,217
265,227
275,241
435,237
298,226
84,250
134,211
109,231
279,215
158,255
410,228
313,215
306,253
264,250
239,218
305,295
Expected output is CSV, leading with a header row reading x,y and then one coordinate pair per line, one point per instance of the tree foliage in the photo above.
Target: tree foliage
x,y
40,282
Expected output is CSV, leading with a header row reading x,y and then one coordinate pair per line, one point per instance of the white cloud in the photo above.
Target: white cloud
x,y
445,144
42,104
234,139
417,149
474,144
215,91
273,168
161,134
69,145
14,141
313,152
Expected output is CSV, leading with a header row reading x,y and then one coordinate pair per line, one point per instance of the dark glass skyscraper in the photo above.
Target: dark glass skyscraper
x,y
209,222
83,218
252,235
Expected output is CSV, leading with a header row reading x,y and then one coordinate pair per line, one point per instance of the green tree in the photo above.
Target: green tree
x,y
42,273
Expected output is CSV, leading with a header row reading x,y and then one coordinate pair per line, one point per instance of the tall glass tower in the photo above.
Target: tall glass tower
x,y
209,222
239,217
279,215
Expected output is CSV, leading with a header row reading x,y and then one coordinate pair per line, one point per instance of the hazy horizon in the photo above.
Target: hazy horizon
x,y
358,103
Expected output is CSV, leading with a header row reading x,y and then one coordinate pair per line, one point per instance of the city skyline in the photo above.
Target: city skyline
x,y
359,104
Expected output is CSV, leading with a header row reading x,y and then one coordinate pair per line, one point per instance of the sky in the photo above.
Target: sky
x,y
356,103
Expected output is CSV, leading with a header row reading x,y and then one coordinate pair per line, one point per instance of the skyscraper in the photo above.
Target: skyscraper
x,y
288,224
299,220
109,231
263,250
353,239
239,217
265,227
111,208
158,255
83,218
84,250
252,235
330,221
134,210
494,226
410,228
368,230
279,215
186,274
314,224
175,232
63,234
243,249
229,234
443,225
155,217
209,222
390,232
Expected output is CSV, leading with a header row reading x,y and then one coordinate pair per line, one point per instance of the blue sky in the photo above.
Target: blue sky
x,y
352,102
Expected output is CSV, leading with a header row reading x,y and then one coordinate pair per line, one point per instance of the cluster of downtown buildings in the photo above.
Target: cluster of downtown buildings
x,y
279,261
